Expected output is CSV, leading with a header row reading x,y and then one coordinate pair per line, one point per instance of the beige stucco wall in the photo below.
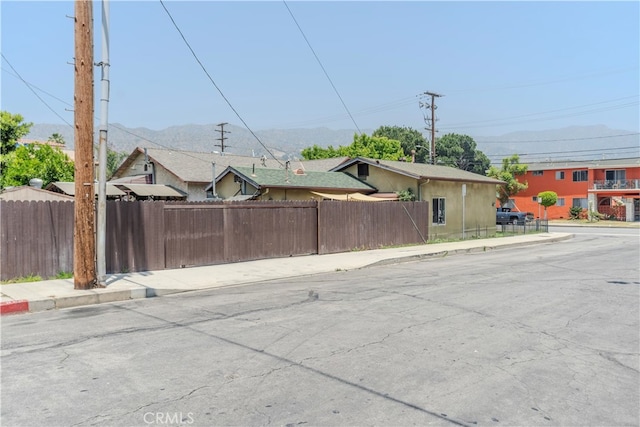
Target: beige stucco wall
x,y
226,187
385,181
479,215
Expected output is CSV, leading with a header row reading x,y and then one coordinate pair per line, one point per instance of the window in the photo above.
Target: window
x,y
580,176
559,175
534,199
537,173
580,203
437,204
560,201
363,170
615,175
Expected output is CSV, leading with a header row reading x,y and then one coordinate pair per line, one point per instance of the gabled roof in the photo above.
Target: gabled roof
x,y
585,164
280,178
422,171
191,166
320,165
27,193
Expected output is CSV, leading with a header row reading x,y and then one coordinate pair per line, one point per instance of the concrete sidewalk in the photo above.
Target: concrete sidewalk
x,y
56,294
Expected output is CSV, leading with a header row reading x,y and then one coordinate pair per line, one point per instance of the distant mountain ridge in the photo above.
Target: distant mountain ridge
x,y
569,143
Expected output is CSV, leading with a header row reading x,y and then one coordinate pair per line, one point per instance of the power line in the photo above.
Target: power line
x,y
577,151
536,114
547,82
34,92
215,85
321,66
557,140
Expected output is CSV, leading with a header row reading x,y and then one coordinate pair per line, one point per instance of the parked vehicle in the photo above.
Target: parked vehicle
x,y
507,216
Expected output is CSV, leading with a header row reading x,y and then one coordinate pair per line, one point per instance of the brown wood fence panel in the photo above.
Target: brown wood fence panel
x,y
258,230
135,235
194,234
345,226
36,238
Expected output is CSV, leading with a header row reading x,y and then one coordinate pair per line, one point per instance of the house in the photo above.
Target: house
x,y
186,171
456,196
27,193
258,183
610,187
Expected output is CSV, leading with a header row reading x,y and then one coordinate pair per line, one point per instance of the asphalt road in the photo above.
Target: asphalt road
x,y
543,335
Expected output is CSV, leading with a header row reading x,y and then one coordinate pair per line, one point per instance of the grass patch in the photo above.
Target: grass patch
x,y
25,279
64,275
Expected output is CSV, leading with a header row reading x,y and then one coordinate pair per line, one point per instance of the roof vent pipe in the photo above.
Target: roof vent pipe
x,y
35,183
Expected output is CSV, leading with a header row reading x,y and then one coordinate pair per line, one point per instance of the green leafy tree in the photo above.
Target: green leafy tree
x,y
36,161
411,140
13,128
57,138
317,152
509,173
362,146
460,151
114,160
546,199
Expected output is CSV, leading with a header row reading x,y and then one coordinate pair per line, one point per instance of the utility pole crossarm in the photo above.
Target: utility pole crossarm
x,y
432,126
222,137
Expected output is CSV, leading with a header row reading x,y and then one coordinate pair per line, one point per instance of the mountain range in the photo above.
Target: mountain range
x,y
569,143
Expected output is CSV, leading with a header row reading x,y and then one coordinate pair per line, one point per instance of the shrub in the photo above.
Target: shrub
x,y
575,212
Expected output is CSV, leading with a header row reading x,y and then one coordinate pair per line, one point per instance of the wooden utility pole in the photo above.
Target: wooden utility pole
x,y
432,123
84,249
222,137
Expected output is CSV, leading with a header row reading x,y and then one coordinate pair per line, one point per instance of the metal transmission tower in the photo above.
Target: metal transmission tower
x,y
222,137
430,120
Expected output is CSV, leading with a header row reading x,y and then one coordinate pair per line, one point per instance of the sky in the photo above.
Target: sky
x,y
500,66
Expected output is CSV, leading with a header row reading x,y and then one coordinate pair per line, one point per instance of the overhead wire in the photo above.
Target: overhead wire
x,y
110,125
34,92
322,67
193,53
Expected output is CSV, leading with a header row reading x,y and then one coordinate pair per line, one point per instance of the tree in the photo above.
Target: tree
x,y
12,129
114,160
36,161
57,138
317,152
362,146
546,199
459,151
511,169
410,139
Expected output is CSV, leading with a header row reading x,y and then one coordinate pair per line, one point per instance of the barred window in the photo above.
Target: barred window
x,y
438,207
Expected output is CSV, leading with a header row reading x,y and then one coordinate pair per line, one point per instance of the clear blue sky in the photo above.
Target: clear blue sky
x,y
501,66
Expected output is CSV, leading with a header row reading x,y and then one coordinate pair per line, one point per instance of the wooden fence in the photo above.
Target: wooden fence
x,y
36,238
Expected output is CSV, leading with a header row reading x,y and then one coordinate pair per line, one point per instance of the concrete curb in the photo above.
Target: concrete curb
x,y
14,307
444,253
89,297
26,300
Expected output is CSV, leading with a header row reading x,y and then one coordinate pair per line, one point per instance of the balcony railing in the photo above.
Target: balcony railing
x,y
620,184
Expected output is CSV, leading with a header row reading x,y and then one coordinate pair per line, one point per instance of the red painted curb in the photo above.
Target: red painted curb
x,y
17,306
